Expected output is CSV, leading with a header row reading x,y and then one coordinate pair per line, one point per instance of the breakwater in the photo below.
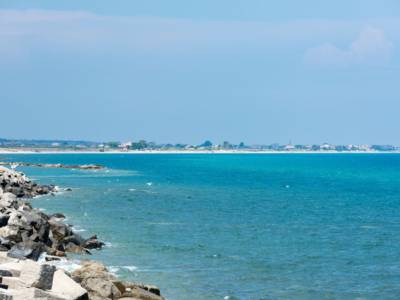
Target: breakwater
x,y
32,242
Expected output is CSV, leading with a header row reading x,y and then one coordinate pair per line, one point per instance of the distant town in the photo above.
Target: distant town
x,y
142,145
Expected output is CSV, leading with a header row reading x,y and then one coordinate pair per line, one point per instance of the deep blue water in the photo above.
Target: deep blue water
x,y
246,226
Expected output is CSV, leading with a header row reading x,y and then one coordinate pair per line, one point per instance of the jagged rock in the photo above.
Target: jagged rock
x,y
5,244
58,216
64,286
139,291
59,230
19,219
73,248
75,239
11,233
27,249
92,243
8,200
95,278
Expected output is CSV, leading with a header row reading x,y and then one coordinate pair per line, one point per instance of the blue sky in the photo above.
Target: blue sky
x,y
180,71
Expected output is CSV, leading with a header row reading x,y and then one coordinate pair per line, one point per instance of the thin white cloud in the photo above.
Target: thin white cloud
x,y
371,47
25,32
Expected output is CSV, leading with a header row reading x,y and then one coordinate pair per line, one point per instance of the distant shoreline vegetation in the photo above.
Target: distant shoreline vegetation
x,y
142,145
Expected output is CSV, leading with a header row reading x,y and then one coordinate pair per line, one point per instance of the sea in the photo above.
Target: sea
x,y
237,226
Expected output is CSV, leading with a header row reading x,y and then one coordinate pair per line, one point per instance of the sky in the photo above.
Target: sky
x,y
256,71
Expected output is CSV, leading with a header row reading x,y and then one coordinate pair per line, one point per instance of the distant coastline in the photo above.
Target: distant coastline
x,y
236,151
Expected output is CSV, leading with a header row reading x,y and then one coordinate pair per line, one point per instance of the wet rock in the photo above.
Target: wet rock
x,y
57,216
93,243
59,230
75,239
140,291
73,248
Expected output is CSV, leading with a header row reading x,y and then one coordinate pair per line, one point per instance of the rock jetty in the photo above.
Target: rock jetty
x,y
32,243
59,166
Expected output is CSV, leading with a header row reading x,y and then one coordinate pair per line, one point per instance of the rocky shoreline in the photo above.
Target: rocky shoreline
x,y
57,166
32,243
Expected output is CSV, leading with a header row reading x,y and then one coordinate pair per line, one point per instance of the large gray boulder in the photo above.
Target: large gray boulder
x,y
27,249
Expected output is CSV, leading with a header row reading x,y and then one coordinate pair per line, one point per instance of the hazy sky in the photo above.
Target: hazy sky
x,y
184,71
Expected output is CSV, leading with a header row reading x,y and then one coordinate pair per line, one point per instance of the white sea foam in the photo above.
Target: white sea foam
x,y
108,244
149,183
65,264
132,190
130,268
163,223
368,227
114,269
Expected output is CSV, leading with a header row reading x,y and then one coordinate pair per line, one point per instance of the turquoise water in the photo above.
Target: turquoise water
x,y
245,226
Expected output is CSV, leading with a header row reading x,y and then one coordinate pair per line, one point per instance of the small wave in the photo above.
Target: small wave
x,y
78,229
114,269
368,227
132,190
108,244
149,183
65,264
130,268
163,223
